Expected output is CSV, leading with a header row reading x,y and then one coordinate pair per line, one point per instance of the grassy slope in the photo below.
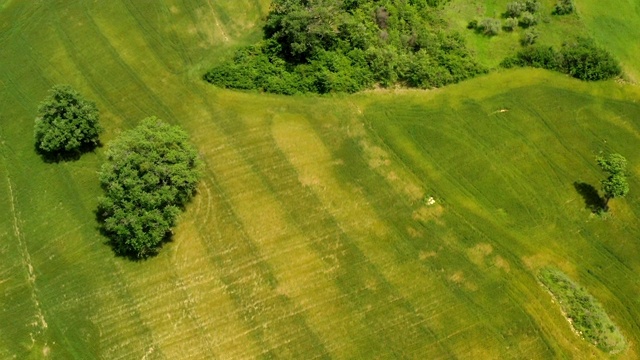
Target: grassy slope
x,y
615,27
553,30
618,27
310,235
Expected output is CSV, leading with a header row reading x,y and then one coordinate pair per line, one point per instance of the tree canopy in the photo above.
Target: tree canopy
x,y
150,173
323,46
66,122
615,185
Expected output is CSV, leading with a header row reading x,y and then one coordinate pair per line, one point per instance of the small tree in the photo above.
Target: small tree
x,y
66,122
150,173
615,185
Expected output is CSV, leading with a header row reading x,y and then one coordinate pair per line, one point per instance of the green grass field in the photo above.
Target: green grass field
x,y
312,235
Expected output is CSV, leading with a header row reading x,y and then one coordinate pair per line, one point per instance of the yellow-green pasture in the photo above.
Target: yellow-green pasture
x,y
404,224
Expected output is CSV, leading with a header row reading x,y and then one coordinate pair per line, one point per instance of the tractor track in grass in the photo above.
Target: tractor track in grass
x,y
40,323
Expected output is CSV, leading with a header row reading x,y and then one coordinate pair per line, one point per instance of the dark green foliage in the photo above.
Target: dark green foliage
x,y
489,26
302,28
615,185
472,25
150,173
534,56
347,46
582,59
586,315
564,7
66,123
532,6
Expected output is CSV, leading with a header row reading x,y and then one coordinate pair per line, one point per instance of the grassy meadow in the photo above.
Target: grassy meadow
x,y
312,234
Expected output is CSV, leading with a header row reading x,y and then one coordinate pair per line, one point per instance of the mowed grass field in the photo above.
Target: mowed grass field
x,y
312,235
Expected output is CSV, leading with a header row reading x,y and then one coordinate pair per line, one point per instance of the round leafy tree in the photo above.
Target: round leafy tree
x,y
150,173
615,185
66,122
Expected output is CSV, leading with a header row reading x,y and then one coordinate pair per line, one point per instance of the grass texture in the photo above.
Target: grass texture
x,y
313,233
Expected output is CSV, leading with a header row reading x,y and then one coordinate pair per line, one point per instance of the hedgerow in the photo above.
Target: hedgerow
x,y
581,58
585,314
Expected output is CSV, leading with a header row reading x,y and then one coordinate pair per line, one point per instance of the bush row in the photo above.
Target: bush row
x,y
581,58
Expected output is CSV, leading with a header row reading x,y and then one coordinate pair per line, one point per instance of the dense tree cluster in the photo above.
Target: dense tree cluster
x,y
150,173
581,58
323,46
66,123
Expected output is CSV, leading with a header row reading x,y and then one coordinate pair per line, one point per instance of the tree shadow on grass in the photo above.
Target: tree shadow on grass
x,y
55,157
592,199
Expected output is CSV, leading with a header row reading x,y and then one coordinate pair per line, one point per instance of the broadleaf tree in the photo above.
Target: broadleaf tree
x,y
150,173
66,122
615,185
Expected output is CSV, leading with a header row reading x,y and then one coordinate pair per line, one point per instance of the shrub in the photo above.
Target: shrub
x,y
532,6
534,56
529,37
510,24
515,8
67,123
150,173
489,26
473,24
528,19
564,7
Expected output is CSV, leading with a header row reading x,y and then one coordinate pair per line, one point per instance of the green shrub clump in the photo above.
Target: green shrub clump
x,y
581,58
528,19
150,173
564,7
585,314
510,24
347,46
489,26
